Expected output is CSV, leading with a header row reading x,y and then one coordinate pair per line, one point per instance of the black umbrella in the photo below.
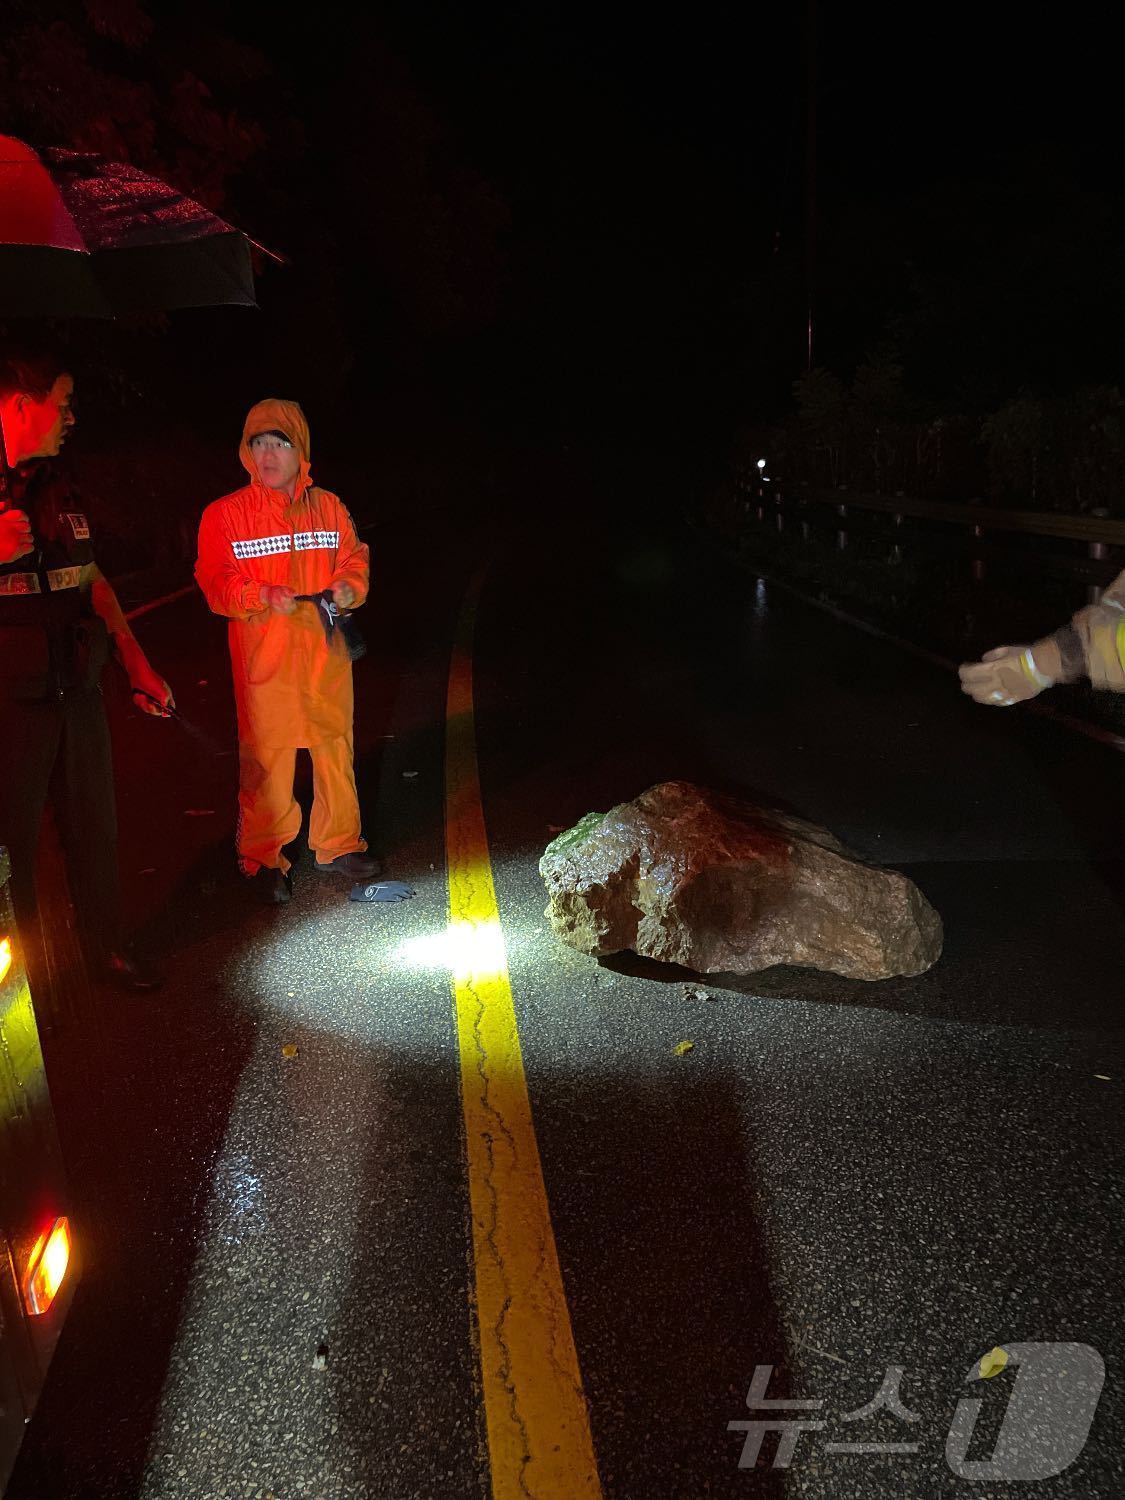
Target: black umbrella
x,y
83,237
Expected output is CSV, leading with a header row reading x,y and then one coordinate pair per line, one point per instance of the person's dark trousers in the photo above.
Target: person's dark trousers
x,y
61,749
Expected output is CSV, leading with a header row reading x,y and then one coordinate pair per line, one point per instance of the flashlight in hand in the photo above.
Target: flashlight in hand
x,y
167,710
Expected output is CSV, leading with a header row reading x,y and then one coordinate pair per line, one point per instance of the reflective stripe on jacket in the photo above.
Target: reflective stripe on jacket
x,y
291,688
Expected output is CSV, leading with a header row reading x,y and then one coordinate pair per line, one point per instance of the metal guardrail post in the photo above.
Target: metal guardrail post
x,y
896,549
1098,552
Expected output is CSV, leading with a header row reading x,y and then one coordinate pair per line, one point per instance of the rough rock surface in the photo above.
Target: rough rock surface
x,y
691,877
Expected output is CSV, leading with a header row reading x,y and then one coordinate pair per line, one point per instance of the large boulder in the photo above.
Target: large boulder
x,y
721,886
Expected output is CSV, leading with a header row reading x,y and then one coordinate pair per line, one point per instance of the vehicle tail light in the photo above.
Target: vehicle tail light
x,y
47,1267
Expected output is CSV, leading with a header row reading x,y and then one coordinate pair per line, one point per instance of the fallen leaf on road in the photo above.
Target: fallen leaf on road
x,y
199,812
289,1049
409,775
681,1049
320,1358
1105,1078
993,1362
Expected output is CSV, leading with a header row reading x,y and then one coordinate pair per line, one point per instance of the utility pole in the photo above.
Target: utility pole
x,y
810,175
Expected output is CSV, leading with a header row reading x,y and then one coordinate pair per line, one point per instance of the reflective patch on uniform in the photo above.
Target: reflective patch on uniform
x,y
262,546
79,525
19,583
63,578
312,541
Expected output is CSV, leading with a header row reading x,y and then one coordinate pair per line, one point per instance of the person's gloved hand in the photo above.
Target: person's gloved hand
x,y
343,595
15,535
278,597
381,890
151,693
1003,676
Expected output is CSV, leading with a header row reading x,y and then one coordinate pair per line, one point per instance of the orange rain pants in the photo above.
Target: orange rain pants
x,y
269,815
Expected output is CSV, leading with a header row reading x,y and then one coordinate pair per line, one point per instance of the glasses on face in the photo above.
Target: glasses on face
x,y
269,444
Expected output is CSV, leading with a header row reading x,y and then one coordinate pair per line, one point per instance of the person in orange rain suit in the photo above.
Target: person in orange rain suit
x,y
278,537
1092,645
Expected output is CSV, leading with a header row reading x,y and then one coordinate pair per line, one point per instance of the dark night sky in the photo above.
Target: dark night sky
x,y
642,165
896,92
677,142
901,95
583,225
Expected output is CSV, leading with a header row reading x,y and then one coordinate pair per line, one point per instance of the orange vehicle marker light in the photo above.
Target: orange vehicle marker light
x,y
47,1267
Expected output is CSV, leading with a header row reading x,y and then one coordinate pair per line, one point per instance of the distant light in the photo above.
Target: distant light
x,y
47,1268
765,479
5,956
761,463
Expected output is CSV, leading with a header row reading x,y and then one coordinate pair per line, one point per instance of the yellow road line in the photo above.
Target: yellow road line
x,y
539,1438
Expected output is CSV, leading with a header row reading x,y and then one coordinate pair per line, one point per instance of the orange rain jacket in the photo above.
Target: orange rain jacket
x,y
291,689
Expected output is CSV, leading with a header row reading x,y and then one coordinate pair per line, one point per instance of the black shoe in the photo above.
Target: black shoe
x,y
272,886
354,866
129,973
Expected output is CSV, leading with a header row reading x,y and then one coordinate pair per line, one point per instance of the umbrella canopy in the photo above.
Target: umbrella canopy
x,y
84,237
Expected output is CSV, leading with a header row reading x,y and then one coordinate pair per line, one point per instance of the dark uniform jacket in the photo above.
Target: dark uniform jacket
x,y
51,640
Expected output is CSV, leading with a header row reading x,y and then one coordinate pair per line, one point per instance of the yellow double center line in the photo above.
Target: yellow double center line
x,y
539,1438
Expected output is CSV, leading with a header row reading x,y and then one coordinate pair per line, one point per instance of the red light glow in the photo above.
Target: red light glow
x,y
47,1267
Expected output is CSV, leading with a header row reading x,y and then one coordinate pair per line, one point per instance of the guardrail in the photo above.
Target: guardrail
x,y
1100,534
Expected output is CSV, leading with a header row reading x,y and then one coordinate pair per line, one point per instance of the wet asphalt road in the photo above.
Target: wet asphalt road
x,y
837,1179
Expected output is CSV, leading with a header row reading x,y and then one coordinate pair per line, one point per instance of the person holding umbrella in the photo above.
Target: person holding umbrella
x,y
59,621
